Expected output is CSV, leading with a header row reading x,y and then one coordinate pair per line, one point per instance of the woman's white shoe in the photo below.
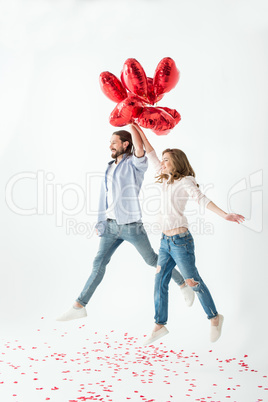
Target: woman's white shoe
x,y
155,335
73,314
215,330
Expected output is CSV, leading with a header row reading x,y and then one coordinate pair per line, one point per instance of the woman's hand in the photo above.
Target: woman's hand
x,y
235,218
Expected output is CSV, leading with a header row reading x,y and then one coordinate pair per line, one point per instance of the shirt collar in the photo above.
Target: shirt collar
x,y
124,157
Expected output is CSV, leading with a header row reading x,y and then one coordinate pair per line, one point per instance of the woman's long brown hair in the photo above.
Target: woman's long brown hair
x,y
180,166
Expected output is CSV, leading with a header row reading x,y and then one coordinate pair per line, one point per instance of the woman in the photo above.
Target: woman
x,y
177,179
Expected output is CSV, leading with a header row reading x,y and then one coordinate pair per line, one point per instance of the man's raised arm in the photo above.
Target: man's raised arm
x,y
137,141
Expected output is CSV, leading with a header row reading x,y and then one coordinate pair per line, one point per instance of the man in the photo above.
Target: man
x,y
119,216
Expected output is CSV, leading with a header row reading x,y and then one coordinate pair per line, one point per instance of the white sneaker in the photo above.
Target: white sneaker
x,y
155,335
215,331
188,295
73,314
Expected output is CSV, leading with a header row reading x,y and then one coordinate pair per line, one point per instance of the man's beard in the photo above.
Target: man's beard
x,y
118,153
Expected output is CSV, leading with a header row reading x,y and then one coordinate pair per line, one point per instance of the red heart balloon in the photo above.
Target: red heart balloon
x,y
122,79
150,92
134,78
156,119
127,110
112,87
143,90
166,76
161,132
173,112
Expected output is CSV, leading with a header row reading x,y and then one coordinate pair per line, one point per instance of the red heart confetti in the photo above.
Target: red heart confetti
x,y
126,360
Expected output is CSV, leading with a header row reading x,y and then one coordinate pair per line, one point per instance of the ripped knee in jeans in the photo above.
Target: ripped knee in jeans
x,y
191,282
158,269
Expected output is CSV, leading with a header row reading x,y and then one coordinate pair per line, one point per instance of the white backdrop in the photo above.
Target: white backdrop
x,y
55,133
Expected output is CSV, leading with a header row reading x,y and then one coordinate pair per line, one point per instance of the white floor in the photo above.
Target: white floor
x,y
70,362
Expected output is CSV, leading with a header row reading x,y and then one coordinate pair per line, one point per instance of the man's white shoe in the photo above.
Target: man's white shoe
x,y
215,330
73,314
155,335
188,295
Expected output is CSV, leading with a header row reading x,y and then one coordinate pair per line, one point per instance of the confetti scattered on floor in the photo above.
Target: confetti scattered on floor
x,y
62,366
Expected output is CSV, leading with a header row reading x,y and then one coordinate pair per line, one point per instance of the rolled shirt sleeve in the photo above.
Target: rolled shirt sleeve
x,y
140,163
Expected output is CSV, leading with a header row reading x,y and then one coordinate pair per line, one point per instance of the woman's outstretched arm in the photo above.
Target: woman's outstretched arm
x,y
229,217
136,130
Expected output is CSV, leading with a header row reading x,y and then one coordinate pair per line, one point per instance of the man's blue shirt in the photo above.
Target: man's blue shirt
x,y
127,180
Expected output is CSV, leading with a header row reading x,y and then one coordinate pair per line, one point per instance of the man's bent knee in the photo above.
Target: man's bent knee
x,y
158,269
151,259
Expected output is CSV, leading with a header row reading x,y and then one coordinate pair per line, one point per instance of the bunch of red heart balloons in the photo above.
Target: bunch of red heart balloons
x,y
136,95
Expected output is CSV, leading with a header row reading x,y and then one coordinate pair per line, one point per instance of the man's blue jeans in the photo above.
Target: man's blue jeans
x,y
112,238
179,250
